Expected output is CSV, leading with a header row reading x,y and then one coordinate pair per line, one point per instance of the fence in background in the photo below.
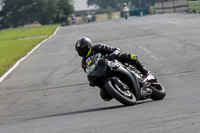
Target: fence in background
x,y
171,6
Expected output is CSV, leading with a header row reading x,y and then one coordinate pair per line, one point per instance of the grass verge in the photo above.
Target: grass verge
x,y
12,50
194,6
27,32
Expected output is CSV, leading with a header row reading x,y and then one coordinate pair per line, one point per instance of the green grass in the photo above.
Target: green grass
x,y
27,32
12,50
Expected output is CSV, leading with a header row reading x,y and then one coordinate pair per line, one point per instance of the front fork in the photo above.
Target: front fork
x,y
144,86
145,91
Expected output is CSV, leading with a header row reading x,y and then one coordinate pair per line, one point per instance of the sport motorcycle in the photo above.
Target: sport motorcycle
x,y
122,81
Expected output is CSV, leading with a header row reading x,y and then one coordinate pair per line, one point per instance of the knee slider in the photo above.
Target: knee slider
x,y
105,96
107,100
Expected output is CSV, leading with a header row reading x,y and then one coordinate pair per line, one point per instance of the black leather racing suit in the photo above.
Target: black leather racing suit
x,y
114,53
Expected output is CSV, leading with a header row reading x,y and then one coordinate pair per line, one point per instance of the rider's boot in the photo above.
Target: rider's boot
x,y
135,62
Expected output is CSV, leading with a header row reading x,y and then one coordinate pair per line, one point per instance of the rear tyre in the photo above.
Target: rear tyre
x,y
124,96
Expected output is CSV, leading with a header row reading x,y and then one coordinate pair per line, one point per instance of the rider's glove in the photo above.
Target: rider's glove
x,y
111,56
114,55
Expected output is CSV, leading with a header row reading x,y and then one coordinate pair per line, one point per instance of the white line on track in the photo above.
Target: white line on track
x,y
149,52
171,22
23,58
145,49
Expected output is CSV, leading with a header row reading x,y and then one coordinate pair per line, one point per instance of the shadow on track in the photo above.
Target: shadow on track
x,y
89,110
81,111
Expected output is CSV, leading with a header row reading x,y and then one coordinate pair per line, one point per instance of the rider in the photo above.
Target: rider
x,y
73,19
125,8
85,49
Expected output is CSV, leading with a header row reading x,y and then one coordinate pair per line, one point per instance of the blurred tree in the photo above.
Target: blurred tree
x,y
65,8
117,4
20,12
46,11
13,11
109,12
104,4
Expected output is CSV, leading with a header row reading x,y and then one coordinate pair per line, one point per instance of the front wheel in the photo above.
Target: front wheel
x,y
120,92
126,16
158,91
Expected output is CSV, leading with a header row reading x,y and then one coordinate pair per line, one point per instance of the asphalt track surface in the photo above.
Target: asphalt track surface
x,y
48,92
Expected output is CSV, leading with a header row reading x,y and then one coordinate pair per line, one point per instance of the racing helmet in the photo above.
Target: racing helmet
x,y
83,46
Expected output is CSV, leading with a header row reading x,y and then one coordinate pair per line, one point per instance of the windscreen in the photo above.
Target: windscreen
x,y
91,63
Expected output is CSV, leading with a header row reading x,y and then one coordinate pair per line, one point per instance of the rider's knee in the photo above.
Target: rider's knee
x,y
105,96
107,100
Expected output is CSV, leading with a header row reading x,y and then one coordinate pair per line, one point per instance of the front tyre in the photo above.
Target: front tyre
x,y
126,16
158,91
123,95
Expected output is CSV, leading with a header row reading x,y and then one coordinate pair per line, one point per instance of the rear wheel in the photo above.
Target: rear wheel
x,y
120,92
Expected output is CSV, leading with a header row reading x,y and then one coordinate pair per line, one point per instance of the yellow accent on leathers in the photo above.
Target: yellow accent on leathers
x,y
133,57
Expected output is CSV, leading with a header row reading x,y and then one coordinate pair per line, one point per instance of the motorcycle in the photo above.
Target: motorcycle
x,y
122,81
73,19
125,12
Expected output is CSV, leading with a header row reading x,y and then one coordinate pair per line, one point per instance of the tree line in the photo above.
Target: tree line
x,y
117,4
16,13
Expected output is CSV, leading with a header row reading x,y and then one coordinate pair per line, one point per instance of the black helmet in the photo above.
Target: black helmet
x,y
83,47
